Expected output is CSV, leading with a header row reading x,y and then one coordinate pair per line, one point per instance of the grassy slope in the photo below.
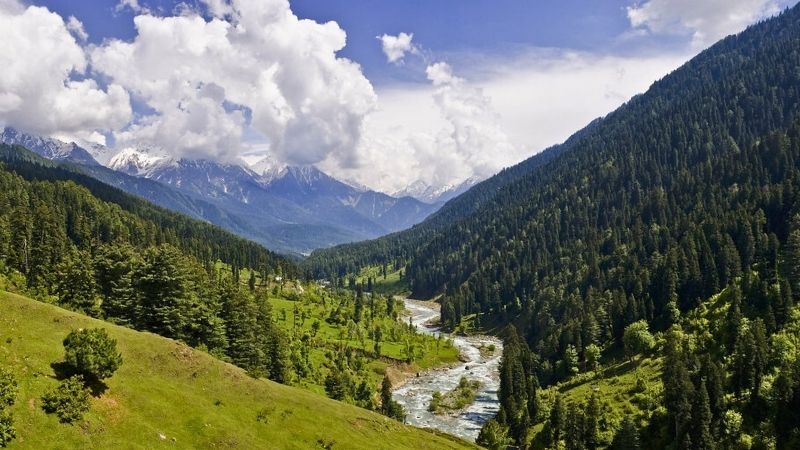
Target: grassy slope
x,y
391,285
164,387
619,394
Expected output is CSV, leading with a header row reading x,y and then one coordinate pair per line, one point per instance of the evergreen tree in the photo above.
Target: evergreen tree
x,y
627,437
77,288
359,309
678,387
593,414
162,291
113,268
701,419
389,407
493,436
556,422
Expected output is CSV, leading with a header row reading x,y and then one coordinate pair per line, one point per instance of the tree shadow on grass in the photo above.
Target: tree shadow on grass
x,y
62,371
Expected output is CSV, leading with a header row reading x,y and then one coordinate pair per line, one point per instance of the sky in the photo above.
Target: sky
x,y
380,93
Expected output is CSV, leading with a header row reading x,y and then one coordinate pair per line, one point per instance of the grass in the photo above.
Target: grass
x,y
392,284
167,395
428,351
624,387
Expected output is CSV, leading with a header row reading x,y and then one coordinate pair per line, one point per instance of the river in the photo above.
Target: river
x,y
415,394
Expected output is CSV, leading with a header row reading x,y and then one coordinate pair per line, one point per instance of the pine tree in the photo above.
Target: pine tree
x,y
556,422
678,387
389,407
239,315
113,267
701,420
627,437
278,357
593,414
359,307
77,288
251,282
163,292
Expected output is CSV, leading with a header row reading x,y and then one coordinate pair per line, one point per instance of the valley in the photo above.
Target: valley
x,y
239,224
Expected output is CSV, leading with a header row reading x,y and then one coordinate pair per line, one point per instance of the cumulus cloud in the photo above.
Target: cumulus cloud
x,y
474,133
705,21
396,47
76,27
253,63
467,141
38,93
474,122
133,5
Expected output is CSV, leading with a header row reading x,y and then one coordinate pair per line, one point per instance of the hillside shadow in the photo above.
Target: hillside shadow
x,y
62,371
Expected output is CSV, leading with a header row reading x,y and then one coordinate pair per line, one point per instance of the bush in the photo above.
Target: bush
x,y
493,436
637,339
69,400
7,431
8,388
92,353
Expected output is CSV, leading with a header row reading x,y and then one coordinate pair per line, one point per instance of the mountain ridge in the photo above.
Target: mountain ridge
x,y
290,209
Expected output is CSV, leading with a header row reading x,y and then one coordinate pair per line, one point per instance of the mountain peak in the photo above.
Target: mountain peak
x,y
48,147
423,191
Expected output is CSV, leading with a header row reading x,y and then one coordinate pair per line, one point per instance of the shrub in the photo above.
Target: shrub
x,y
7,431
637,339
8,388
69,400
92,353
493,436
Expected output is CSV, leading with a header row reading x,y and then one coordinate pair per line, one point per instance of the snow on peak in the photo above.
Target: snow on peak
x,y
136,162
425,192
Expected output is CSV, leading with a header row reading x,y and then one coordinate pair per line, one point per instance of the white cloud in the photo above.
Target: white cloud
x,y
218,8
133,5
38,56
76,27
458,135
254,59
705,21
396,47
441,73
442,134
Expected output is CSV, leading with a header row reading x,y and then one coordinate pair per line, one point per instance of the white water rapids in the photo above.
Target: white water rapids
x,y
415,395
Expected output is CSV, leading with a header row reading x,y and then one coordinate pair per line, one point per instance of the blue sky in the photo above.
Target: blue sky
x,y
471,87
443,27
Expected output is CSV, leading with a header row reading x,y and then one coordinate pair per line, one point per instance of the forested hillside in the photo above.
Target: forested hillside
x,y
686,190
66,238
167,395
114,216
69,239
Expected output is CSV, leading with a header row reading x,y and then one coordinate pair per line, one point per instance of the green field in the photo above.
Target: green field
x,y
392,284
624,388
397,347
167,395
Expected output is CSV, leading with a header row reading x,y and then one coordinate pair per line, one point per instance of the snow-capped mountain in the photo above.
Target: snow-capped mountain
x,y
136,162
48,147
432,194
286,208
280,194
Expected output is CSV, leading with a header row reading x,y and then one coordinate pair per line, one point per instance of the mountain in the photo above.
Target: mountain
x,y
289,209
430,194
189,307
48,147
113,214
684,201
320,210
